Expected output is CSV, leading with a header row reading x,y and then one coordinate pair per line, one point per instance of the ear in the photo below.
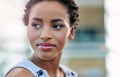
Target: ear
x,y
72,33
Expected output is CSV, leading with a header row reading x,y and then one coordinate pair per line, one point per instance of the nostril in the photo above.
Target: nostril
x,y
45,37
45,34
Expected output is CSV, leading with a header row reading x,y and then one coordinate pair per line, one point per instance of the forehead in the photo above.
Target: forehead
x,y
49,9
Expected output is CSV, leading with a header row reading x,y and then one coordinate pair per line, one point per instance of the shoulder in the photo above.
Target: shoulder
x,y
21,69
69,71
19,72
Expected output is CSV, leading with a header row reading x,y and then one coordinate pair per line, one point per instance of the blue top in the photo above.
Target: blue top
x,y
39,72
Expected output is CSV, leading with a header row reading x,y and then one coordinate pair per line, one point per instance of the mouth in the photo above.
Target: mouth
x,y
45,46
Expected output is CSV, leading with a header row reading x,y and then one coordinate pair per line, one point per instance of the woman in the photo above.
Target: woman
x,y
50,24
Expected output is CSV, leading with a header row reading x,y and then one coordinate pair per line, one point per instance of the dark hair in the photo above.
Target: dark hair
x,y
70,4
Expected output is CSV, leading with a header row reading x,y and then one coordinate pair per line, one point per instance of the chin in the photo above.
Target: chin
x,y
47,57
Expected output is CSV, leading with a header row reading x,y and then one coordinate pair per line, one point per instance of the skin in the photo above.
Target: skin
x,y
48,23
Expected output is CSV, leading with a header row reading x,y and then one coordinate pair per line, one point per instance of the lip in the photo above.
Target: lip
x,y
45,46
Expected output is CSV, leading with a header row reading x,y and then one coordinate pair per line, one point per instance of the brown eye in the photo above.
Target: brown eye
x,y
36,26
58,26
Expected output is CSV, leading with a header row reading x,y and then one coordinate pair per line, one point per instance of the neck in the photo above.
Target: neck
x,y
51,66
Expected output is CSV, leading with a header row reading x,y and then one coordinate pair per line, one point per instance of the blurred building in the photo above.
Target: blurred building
x,y
85,53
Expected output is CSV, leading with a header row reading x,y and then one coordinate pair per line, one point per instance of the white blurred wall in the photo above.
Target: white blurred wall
x,y
12,33
112,25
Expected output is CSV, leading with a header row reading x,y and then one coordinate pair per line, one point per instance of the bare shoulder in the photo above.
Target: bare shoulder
x,y
19,72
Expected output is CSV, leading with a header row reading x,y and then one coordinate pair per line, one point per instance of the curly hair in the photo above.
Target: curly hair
x,y
72,9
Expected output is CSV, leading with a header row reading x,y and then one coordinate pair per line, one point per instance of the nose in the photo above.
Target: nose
x,y
46,35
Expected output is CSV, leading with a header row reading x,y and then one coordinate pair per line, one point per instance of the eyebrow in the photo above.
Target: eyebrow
x,y
37,19
54,20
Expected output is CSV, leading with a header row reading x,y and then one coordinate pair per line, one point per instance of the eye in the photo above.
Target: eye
x,y
58,26
36,26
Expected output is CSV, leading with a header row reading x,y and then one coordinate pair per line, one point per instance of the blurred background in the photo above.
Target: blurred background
x,y
94,52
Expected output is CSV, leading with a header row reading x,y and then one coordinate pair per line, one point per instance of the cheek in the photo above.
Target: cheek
x,y
32,36
62,38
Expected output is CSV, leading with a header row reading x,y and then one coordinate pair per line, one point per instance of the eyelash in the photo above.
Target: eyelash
x,y
54,26
58,26
36,26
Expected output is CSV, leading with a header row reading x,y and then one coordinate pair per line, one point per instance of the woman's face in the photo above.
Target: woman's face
x,y
49,29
